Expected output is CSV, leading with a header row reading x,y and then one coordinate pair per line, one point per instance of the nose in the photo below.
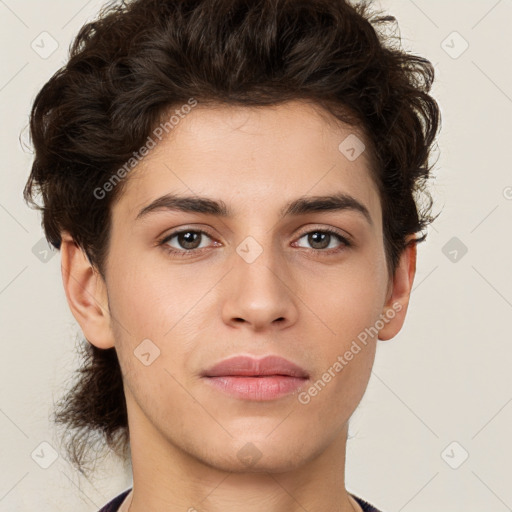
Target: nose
x,y
259,290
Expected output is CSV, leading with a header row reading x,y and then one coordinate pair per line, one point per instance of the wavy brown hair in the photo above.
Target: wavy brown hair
x,y
138,60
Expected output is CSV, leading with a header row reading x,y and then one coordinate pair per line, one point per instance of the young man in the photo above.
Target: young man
x,y
233,188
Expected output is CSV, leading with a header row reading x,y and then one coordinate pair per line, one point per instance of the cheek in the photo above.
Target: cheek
x,y
144,300
153,316
349,303
349,308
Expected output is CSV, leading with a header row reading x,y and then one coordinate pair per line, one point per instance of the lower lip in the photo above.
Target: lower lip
x,y
257,388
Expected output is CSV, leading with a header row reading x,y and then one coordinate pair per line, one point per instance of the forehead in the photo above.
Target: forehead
x,y
254,159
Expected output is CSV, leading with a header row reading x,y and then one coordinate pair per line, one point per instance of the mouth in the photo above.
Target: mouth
x,y
249,378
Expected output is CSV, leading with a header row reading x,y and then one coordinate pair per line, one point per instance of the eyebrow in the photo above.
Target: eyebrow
x,y
300,206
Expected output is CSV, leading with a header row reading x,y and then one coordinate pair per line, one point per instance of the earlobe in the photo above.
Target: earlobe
x,y
86,294
398,301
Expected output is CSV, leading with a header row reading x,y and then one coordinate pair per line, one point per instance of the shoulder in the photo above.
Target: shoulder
x,y
114,504
367,507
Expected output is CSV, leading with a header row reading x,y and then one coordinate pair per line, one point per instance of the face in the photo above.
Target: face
x,y
189,289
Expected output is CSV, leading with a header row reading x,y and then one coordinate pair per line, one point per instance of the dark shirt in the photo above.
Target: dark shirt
x,y
113,505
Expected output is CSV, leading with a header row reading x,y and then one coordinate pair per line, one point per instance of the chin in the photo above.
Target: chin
x,y
259,455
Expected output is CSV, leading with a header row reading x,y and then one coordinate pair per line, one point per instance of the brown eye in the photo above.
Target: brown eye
x,y
319,240
187,241
322,239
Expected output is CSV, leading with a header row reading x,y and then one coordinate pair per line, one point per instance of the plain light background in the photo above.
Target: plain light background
x,y
433,429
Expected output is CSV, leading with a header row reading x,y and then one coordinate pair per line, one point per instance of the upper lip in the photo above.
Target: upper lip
x,y
252,367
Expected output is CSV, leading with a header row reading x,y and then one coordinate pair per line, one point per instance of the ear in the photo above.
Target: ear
x,y
399,293
86,293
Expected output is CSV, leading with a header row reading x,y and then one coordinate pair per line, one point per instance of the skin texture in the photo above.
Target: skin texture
x,y
185,436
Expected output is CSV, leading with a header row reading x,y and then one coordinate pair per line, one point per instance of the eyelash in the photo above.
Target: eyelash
x,y
192,252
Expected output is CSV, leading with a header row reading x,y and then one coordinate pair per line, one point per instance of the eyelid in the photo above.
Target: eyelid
x,y
330,229
165,238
